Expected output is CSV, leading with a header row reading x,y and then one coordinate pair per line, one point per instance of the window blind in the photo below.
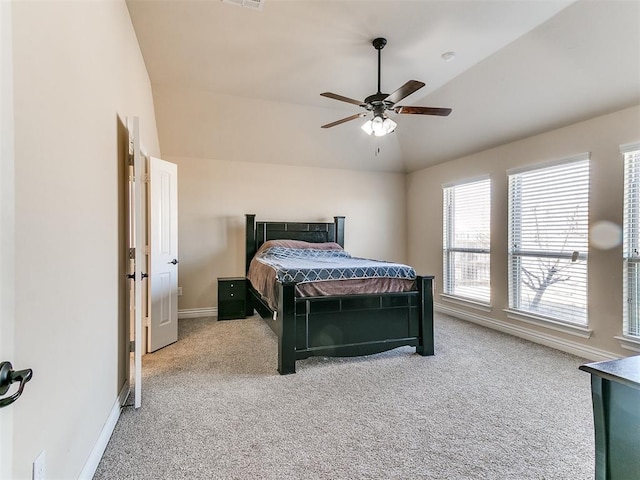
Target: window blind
x,y
631,242
548,241
466,240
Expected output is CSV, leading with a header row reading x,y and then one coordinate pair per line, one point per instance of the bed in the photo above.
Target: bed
x,y
338,324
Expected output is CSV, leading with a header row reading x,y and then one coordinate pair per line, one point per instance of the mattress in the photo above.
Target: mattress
x,y
320,269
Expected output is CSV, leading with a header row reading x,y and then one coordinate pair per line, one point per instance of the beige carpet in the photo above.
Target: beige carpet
x,y
486,406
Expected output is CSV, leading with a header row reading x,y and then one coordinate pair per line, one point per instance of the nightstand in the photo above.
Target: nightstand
x,y
232,297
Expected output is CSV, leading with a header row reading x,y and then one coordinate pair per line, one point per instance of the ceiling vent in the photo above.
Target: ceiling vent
x,y
256,4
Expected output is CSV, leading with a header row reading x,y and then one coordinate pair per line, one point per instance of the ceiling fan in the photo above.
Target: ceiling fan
x,y
380,103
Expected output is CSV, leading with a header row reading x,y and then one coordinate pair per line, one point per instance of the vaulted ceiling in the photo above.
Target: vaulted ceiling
x,y
242,84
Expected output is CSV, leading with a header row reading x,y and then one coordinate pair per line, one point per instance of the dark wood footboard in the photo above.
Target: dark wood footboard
x,y
348,325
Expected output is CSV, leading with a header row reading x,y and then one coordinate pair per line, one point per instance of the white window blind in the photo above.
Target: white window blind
x,y
466,240
548,241
631,240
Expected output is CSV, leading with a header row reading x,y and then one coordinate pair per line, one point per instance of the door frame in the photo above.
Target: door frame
x,y
135,246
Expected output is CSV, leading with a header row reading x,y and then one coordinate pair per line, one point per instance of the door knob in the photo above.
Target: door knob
x,y
9,376
174,261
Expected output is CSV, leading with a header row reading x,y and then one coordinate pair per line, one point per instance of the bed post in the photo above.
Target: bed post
x,y
250,240
287,328
339,222
425,289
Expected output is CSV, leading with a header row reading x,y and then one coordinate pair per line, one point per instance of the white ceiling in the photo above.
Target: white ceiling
x,y
240,84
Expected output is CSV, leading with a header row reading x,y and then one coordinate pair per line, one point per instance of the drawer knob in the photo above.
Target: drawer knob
x,y
232,294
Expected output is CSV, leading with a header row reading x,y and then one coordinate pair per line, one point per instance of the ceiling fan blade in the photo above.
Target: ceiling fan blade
x,y
335,96
404,91
338,122
442,112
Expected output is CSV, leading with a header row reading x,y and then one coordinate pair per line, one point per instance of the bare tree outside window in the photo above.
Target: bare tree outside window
x,y
550,271
548,233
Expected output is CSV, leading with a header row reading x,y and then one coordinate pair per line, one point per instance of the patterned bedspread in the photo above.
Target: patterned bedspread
x,y
303,265
323,269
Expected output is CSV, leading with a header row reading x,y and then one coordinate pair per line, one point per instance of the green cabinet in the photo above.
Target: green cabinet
x,y
615,388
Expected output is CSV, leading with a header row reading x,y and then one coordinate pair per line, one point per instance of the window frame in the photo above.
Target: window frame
x,y
448,249
631,239
516,254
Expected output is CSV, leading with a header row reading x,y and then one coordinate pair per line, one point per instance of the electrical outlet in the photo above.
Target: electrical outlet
x,y
179,291
38,466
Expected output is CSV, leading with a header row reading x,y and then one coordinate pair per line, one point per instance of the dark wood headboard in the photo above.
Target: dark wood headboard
x,y
315,232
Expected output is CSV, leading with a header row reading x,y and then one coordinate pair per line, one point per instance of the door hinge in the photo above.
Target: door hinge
x,y
146,322
147,250
132,346
130,159
132,253
145,178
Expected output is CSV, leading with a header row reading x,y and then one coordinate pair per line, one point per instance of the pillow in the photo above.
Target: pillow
x,y
299,244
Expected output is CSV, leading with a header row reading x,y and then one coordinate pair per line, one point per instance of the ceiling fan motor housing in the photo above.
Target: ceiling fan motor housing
x,y
377,99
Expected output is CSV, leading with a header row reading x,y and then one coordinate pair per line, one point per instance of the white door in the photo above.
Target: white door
x,y
135,233
163,238
7,228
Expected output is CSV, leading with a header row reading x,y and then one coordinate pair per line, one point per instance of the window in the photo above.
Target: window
x,y
466,240
631,239
548,240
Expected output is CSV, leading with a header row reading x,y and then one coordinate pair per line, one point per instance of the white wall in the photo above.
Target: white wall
x,y
601,137
214,196
78,73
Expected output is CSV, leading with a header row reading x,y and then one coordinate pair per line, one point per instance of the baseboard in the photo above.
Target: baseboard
x,y
198,312
91,465
584,351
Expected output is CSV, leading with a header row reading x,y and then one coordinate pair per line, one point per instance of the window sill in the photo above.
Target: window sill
x,y
465,302
629,343
569,328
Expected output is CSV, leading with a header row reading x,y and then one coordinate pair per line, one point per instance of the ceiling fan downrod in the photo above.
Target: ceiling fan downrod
x,y
377,99
379,44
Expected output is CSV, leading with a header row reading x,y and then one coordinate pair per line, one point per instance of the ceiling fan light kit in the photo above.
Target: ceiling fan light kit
x,y
379,126
379,103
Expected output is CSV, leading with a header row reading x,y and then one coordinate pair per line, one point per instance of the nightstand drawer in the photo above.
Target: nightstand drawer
x,y
232,289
